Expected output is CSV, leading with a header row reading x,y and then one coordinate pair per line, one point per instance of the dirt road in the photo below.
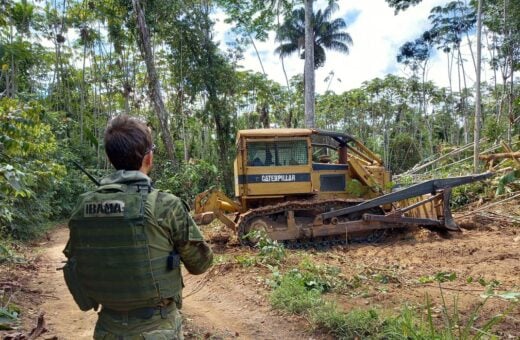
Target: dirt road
x,y
63,317
231,300
210,311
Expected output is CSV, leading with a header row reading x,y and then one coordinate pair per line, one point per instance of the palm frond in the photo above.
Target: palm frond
x,y
327,34
331,8
285,50
338,47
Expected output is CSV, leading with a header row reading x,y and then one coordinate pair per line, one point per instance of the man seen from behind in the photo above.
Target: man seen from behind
x,y
127,241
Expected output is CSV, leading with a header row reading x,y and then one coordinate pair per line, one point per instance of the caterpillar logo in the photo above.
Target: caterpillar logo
x,y
279,178
106,208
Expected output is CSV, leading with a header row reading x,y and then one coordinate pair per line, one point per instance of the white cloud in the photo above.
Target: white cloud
x,y
377,35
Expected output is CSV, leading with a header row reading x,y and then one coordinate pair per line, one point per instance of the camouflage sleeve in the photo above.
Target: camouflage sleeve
x,y
187,238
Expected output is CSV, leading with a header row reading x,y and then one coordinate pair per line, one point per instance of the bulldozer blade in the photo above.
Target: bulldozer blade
x,y
397,220
449,222
204,218
413,191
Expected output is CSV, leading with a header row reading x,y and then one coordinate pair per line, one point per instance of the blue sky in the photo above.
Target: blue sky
x,y
377,35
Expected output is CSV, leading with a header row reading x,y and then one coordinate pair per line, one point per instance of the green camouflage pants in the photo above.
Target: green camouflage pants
x,y
154,328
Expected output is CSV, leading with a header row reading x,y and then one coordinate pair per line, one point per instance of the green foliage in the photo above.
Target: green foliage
x,y
293,295
356,324
29,172
329,34
468,193
355,188
405,153
322,278
296,292
7,254
9,313
189,180
271,252
438,277
505,180
246,260
401,119
419,324
402,5
454,327
253,17
494,129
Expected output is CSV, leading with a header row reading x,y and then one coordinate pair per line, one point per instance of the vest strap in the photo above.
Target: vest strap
x,y
140,313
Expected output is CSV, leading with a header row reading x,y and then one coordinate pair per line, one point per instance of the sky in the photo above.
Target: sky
x,y
377,35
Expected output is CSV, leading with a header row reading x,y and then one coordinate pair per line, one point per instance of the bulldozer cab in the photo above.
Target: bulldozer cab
x,y
273,162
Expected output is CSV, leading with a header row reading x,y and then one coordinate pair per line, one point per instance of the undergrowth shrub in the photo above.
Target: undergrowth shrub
x,y
465,194
356,324
271,252
29,172
410,325
188,180
294,296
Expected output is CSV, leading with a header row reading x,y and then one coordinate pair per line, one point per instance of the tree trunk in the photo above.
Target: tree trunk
x,y
491,57
154,86
478,112
257,54
309,66
511,99
288,125
264,116
11,92
82,103
511,117
462,103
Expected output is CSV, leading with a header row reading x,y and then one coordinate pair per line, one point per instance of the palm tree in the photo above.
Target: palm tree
x,y
327,35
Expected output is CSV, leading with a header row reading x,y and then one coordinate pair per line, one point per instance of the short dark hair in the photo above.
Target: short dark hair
x,y
127,140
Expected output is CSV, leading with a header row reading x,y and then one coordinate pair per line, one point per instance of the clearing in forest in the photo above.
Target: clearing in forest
x,y
233,299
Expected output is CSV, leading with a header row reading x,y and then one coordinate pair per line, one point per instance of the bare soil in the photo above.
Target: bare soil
x,y
232,300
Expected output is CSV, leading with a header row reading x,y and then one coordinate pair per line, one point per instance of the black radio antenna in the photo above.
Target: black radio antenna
x,y
92,178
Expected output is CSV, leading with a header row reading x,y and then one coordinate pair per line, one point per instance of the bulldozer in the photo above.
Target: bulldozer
x,y
299,185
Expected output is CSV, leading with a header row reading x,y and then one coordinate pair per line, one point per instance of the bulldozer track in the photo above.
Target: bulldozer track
x,y
325,244
310,205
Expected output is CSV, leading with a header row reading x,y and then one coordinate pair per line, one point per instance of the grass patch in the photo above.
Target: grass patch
x,y
409,325
293,294
357,324
301,291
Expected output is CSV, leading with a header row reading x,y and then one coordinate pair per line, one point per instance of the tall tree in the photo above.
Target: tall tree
x,y
310,82
416,55
325,34
154,85
450,23
478,112
502,18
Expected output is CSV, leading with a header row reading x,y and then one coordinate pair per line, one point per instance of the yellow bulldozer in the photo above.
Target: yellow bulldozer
x,y
310,184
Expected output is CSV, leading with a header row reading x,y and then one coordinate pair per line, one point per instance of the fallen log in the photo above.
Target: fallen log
x,y
494,156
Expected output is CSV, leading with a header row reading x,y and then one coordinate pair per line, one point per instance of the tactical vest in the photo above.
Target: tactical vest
x,y
111,250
